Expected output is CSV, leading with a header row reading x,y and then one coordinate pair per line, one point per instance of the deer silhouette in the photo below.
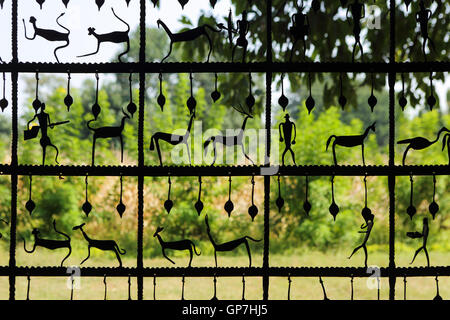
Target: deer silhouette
x,y
50,35
419,143
173,139
108,132
350,141
187,35
114,37
229,140
230,245
175,245
104,245
48,243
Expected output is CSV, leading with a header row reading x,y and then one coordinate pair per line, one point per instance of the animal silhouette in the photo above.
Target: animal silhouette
x,y
50,35
350,141
424,235
48,243
175,245
419,143
228,141
173,139
187,35
229,246
108,132
104,245
114,37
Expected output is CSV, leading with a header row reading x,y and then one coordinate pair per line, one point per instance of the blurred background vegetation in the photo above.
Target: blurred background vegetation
x,y
292,231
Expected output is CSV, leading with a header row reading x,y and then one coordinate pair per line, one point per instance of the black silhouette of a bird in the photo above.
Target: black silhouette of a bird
x,y
419,143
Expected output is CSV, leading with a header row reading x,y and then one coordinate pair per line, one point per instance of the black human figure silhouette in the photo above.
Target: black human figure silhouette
x,y
114,37
173,139
419,143
175,245
358,13
48,243
287,126
422,17
229,246
103,245
44,122
50,35
229,140
300,30
108,132
241,29
424,236
187,35
350,141
369,225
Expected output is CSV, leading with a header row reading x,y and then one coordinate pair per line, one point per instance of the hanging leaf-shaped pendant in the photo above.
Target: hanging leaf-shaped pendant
x,y
253,211
30,205
431,100
229,207
342,101
280,203
433,208
250,101
334,210
121,208
65,2
199,206
213,3
407,3
372,102
402,102
68,101
283,101
132,108
128,2
310,103
96,110
40,2
183,3
3,104
411,211
155,2
191,104
99,3
87,207
161,101
168,204
215,95
307,207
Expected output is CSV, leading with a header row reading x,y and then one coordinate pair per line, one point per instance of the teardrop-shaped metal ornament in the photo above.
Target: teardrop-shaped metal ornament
x,y
433,207
183,3
30,205
168,204
283,101
3,102
121,207
253,210
310,103
402,100
342,99
191,102
411,210
306,204
199,204
431,100
213,3
229,206
68,100
40,2
87,207
131,108
333,209
155,2
280,201
99,3
37,103
372,99
215,95
128,2
161,98
65,2
250,100
407,3
96,109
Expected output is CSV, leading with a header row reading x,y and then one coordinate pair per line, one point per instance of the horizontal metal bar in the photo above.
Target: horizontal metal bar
x,y
154,171
225,67
227,272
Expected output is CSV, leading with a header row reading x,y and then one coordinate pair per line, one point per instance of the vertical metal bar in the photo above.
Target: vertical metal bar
x,y
267,158
391,178
140,236
14,138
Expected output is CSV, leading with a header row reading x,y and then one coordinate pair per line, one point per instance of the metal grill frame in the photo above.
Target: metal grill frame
x,y
391,68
